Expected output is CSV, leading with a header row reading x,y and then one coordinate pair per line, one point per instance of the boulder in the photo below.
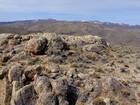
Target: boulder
x,y
56,59
94,48
47,98
24,96
60,86
78,40
42,84
56,46
17,57
36,45
100,40
15,73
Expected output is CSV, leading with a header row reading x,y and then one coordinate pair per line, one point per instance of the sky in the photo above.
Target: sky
x,y
116,11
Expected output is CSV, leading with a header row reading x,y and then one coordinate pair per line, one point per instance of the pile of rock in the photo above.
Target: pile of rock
x,y
61,70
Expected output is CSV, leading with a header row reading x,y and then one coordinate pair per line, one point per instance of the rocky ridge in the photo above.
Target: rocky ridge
x,y
50,69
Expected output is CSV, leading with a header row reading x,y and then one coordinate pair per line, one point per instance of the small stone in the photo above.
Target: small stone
x,y
124,70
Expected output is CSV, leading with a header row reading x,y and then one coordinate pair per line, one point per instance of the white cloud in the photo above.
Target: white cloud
x,y
65,6
92,8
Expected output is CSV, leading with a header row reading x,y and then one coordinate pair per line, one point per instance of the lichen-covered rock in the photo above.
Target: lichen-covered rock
x,y
56,59
71,39
94,48
24,96
17,57
60,86
36,45
56,46
42,84
15,73
8,92
47,98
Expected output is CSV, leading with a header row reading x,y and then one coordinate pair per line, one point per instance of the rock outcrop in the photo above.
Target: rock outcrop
x,y
67,70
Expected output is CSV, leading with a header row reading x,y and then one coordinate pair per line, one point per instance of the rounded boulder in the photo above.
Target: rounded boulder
x,y
36,46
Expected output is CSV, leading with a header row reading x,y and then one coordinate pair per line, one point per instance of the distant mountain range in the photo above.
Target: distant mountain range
x,y
115,33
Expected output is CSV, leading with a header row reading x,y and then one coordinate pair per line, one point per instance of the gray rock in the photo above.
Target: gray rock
x,y
56,59
122,91
15,73
82,99
62,100
18,48
47,98
3,72
60,86
20,56
24,96
42,84
8,92
56,46
94,48
36,45
5,57
17,85
30,72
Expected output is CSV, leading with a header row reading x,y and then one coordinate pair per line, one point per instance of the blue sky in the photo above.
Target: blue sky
x,y
116,11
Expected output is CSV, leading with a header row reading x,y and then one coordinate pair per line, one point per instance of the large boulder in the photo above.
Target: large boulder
x,y
56,46
36,45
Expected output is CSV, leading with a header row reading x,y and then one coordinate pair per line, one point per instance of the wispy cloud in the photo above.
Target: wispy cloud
x,y
85,8
65,5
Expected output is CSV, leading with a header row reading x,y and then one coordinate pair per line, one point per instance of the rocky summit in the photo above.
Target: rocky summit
x,y
51,69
